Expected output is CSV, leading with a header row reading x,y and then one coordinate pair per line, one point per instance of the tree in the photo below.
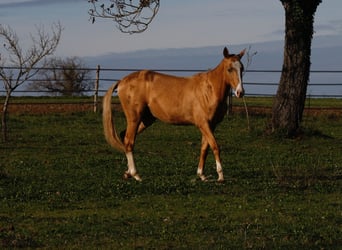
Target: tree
x,y
131,16
18,65
68,77
288,105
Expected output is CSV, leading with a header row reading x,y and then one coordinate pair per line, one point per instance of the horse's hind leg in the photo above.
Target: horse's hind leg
x,y
137,121
129,138
132,171
147,119
129,145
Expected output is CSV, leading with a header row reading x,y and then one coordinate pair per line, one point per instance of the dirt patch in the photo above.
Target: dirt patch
x,y
313,111
47,108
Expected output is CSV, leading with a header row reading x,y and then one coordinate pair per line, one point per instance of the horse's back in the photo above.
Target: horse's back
x,y
169,98
151,83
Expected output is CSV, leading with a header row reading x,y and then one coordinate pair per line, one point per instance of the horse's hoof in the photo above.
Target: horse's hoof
x,y
203,178
137,178
126,176
220,180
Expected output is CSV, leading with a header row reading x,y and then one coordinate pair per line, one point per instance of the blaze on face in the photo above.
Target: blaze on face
x,y
237,66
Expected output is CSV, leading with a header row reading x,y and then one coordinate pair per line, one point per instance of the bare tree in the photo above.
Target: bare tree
x,y
288,105
68,77
131,16
18,65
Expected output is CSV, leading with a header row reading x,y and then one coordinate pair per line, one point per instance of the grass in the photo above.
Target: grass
x,y
251,101
61,187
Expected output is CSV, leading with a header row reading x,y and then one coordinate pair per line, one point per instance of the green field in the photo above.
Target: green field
x,y
251,101
61,187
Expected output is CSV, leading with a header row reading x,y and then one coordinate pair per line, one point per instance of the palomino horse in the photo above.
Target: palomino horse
x,y
199,100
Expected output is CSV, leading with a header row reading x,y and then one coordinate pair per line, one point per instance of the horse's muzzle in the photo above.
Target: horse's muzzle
x,y
239,93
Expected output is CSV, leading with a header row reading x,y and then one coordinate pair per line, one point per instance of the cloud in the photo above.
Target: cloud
x,y
337,25
333,27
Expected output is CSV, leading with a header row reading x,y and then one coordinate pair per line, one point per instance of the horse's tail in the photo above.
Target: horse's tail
x,y
108,121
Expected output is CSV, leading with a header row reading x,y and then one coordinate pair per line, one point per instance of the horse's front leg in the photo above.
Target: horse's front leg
x,y
207,133
202,159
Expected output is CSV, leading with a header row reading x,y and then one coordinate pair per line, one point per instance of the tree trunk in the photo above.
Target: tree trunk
x,y
4,117
288,105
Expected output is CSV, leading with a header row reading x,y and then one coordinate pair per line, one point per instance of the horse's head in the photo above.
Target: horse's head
x,y
233,69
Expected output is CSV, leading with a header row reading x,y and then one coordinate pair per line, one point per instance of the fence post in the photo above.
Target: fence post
x,y
96,87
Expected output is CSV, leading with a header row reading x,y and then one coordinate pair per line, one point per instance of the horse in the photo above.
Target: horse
x,y
198,100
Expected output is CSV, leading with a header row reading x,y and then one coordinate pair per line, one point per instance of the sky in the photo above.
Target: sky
x,y
178,24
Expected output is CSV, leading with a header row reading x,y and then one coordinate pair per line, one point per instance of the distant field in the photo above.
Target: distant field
x,y
61,187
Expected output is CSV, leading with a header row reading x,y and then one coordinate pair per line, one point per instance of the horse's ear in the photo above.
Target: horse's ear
x,y
242,53
225,52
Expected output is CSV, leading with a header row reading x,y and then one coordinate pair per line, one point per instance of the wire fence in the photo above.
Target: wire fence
x,y
258,83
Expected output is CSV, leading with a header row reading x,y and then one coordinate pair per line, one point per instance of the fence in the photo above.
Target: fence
x,y
323,83
329,81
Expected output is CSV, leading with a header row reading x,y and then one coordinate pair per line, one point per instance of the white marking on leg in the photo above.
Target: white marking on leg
x,y
131,166
201,175
219,171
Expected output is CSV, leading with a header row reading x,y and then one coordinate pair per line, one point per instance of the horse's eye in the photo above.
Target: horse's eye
x,y
230,70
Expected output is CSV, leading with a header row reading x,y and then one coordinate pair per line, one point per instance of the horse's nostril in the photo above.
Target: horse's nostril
x,y
239,93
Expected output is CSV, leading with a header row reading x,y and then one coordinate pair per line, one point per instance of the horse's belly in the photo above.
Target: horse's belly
x,y
173,113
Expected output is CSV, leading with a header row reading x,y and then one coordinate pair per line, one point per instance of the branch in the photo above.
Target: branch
x,y
131,16
43,44
11,44
249,62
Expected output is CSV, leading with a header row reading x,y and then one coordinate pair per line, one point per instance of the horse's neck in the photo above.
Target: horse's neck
x,y
216,80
